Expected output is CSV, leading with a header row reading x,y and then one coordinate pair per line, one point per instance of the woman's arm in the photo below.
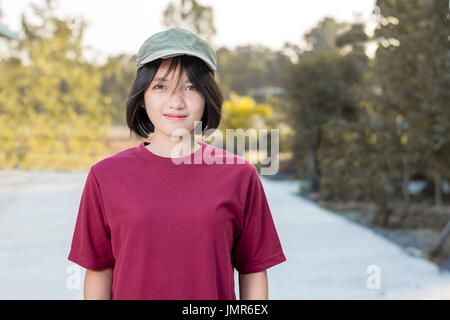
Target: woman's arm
x,y
253,286
98,284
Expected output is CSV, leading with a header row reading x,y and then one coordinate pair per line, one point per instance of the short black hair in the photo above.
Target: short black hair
x,y
198,73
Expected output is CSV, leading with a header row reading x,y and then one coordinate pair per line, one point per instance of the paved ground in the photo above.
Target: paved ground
x,y
328,257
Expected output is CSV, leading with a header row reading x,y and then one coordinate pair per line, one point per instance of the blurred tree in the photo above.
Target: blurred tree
x,y
118,74
52,112
322,38
250,67
403,112
239,111
411,69
254,70
323,86
192,16
242,112
438,249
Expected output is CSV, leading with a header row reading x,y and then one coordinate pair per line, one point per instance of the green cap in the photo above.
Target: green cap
x,y
175,42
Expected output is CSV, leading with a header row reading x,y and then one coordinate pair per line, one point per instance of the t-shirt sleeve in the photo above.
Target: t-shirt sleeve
x,y
257,247
91,242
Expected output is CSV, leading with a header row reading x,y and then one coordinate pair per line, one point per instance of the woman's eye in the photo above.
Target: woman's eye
x,y
158,86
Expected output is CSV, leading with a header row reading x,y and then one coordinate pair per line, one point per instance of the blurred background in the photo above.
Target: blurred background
x,y
359,91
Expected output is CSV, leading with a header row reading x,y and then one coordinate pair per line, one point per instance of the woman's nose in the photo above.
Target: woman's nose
x,y
176,99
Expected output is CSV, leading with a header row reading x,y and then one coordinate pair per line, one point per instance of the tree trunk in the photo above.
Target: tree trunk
x,y
382,215
437,189
21,153
437,249
405,190
313,163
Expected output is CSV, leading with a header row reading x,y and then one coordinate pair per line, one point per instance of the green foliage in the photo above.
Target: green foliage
x,y
250,67
324,88
322,37
402,112
411,71
240,112
412,78
52,112
192,16
242,116
118,74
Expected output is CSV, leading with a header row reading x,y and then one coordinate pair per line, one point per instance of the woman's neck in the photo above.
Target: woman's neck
x,y
168,148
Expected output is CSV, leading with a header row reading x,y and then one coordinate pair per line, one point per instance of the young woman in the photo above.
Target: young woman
x,y
154,222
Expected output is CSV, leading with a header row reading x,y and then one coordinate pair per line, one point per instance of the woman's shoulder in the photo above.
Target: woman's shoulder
x,y
115,161
216,156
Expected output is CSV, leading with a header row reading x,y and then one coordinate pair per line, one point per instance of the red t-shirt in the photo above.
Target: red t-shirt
x,y
174,231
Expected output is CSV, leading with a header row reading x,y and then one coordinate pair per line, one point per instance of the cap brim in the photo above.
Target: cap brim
x,y
166,55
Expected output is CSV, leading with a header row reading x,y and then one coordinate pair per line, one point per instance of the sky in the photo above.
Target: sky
x,y
122,26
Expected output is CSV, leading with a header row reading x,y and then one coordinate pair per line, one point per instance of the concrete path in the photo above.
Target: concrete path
x,y
328,257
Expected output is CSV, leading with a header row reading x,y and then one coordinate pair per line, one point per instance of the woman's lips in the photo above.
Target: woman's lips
x,y
174,118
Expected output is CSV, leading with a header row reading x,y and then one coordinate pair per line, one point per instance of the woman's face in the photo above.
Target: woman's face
x,y
162,99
